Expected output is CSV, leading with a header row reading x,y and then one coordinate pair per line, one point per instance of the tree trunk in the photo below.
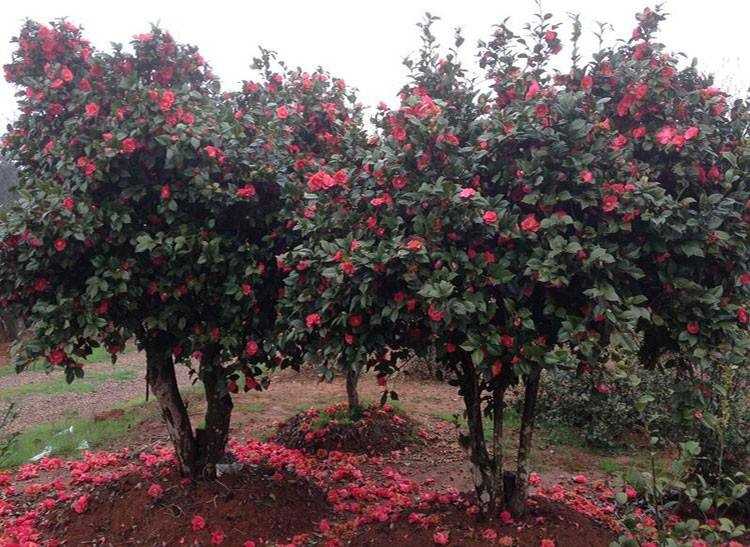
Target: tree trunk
x,y
160,375
212,440
475,444
352,395
498,408
518,500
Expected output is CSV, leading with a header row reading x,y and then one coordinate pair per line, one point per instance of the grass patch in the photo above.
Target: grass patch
x,y
69,436
56,384
610,467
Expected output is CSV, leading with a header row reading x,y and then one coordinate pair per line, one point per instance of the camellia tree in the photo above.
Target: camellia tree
x,y
536,225
314,121
141,215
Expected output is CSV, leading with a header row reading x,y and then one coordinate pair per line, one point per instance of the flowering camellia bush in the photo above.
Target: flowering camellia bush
x,y
139,217
314,122
535,225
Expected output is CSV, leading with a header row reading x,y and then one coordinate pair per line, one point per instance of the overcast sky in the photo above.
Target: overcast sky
x,y
364,42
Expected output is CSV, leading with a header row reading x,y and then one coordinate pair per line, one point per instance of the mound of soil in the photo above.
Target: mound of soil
x,y
546,520
380,429
255,504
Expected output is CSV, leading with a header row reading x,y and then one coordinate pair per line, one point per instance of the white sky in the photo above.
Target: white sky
x,y
365,41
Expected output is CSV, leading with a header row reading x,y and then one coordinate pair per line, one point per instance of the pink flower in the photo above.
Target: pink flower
x,y
691,133
619,142
581,479
166,192
441,538
547,543
586,176
68,203
610,203
535,479
217,537
506,517
129,145
155,491
198,523
467,193
489,534
587,82
530,224
282,112
532,90
489,217
60,245
81,504
693,327
92,110
665,135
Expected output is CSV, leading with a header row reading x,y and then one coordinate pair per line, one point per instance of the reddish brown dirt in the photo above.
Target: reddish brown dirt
x,y
378,431
250,506
546,520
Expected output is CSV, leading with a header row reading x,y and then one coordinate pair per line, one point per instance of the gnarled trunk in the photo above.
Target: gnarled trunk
x,y
482,468
521,493
498,408
212,440
197,454
352,395
160,375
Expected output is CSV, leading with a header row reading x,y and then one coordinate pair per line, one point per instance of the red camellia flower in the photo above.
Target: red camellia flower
x,y
742,316
92,110
587,82
60,245
56,357
547,543
434,313
129,145
355,321
313,320
745,279
347,267
610,203
155,491
693,327
320,181
414,245
691,133
166,192
167,101
246,192
68,203
251,348
198,523
282,112
530,224
399,182
489,217
586,176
